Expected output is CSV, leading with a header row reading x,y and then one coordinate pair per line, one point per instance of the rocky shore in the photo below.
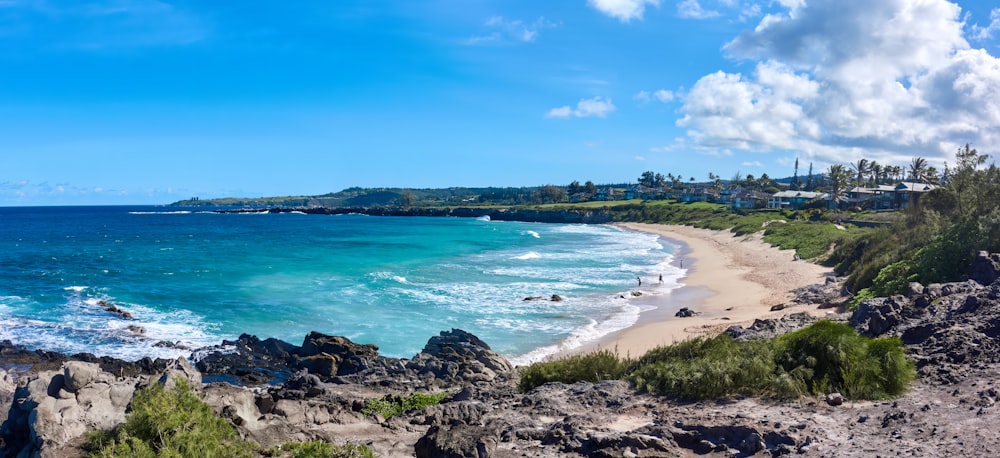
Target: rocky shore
x,y
273,391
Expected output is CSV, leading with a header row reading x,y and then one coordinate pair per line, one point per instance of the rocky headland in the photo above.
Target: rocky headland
x,y
274,391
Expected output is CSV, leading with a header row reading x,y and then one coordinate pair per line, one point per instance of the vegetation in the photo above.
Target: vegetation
x,y
938,237
591,367
175,423
390,405
821,358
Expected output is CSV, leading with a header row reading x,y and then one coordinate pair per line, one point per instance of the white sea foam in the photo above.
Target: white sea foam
x,y
484,218
178,212
533,234
78,289
528,255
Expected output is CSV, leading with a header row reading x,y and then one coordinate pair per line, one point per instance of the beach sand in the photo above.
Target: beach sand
x,y
730,280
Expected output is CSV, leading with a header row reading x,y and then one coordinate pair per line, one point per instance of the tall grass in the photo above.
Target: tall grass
x,y
591,367
823,357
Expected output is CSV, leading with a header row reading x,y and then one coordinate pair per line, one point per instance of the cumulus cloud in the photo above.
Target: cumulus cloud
x,y
501,30
623,10
837,80
586,108
692,9
660,95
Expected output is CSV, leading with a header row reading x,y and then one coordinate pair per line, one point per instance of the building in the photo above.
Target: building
x,y
795,199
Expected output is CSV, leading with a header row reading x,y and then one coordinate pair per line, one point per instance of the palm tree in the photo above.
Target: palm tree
x,y
875,169
861,167
918,169
839,177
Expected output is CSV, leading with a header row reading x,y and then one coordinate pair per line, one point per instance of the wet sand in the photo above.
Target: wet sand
x,y
730,280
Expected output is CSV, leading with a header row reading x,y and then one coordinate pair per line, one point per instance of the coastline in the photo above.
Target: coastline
x,y
729,280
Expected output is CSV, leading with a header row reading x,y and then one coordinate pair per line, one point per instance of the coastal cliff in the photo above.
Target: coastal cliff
x,y
278,391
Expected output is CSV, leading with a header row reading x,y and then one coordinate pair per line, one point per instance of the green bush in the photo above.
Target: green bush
x,y
823,357
591,367
709,368
828,356
172,423
176,424
320,449
390,405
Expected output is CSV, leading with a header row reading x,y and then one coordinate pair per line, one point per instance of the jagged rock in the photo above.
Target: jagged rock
x,y
56,407
875,317
248,360
766,329
457,354
456,441
335,355
556,298
775,308
181,369
685,312
835,399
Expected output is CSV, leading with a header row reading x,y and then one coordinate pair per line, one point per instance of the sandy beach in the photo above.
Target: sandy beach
x,y
730,280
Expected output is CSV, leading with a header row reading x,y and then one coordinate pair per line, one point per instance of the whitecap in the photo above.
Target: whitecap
x,y
533,234
78,289
528,255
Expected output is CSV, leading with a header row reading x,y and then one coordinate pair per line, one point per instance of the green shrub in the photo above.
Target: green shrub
x,y
172,423
321,449
860,297
828,356
709,368
823,357
176,424
592,367
391,405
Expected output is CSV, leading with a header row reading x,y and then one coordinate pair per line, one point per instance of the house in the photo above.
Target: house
x,y
795,199
910,191
698,193
605,194
745,198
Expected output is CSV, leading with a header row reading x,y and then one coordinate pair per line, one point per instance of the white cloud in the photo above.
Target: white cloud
x,y
585,108
839,80
980,33
623,10
752,164
661,95
501,30
691,9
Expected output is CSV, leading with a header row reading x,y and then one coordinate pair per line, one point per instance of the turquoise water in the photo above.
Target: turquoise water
x,y
193,278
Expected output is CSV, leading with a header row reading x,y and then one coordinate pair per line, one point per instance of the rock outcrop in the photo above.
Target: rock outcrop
x,y
279,392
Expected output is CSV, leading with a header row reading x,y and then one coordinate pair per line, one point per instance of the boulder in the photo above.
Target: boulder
x,y
685,312
458,355
877,316
458,441
56,407
336,355
985,268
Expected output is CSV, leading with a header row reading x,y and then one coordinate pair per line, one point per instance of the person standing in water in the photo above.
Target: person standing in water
x,y
640,280
661,279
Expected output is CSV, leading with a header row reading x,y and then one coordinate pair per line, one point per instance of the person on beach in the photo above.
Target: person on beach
x,y
640,280
661,279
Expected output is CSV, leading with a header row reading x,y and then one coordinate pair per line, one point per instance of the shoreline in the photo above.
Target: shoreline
x,y
729,280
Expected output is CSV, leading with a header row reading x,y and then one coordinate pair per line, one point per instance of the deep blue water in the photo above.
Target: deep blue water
x,y
193,278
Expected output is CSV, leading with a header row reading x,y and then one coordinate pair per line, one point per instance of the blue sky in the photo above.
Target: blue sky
x,y
146,101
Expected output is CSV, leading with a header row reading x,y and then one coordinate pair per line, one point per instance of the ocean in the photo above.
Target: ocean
x,y
190,278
